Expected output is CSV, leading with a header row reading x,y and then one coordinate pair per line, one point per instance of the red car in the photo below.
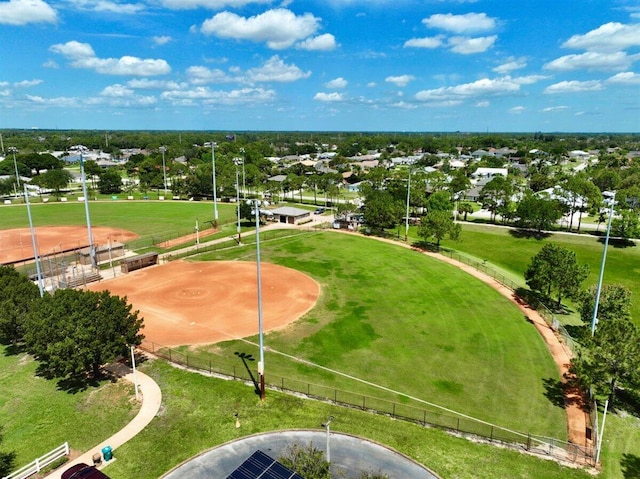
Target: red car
x,y
83,471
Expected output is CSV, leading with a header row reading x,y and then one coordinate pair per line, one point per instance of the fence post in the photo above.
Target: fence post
x,y
363,402
209,366
335,395
424,418
37,465
529,442
393,414
66,448
458,426
491,438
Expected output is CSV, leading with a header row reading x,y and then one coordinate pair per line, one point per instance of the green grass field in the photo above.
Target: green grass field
x,y
345,326
501,248
198,414
412,324
38,417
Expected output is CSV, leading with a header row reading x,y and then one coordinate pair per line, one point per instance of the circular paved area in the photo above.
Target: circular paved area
x,y
349,455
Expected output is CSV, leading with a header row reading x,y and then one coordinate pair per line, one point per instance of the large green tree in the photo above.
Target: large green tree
x,y
436,224
538,211
610,358
306,461
110,182
556,270
495,193
614,303
17,294
381,210
55,180
74,333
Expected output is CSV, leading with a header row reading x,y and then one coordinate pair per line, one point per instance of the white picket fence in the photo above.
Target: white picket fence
x,y
40,463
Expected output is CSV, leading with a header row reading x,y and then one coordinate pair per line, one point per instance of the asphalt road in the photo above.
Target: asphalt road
x,y
349,456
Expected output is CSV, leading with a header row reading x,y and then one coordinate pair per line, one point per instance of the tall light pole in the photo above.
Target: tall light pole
x,y
261,362
13,150
611,195
406,226
164,169
33,241
244,185
327,426
215,194
237,161
92,250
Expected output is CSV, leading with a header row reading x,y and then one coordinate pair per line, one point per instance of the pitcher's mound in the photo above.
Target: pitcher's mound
x,y
206,302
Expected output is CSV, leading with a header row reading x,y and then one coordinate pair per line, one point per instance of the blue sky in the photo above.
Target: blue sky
x,y
347,65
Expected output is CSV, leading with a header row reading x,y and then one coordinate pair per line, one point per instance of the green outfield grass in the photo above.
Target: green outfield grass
x,y
413,324
198,414
146,218
37,416
500,247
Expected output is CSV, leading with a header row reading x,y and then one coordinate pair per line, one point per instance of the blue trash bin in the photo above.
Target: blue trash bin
x,y
107,453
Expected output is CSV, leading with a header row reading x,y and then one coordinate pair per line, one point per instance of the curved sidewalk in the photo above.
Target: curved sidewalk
x,y
151,401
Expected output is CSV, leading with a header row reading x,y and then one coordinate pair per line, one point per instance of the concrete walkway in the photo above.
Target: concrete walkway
x,y
151,401
350,455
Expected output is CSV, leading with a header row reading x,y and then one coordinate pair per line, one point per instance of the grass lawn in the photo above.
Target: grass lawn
x,y
146,218
410,323
500,247
198,414
38,417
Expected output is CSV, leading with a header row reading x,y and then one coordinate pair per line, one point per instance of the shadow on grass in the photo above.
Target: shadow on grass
x,y
249,357
618,242
629,401
554,392
528,234
630,465
71,384
14,349
537,301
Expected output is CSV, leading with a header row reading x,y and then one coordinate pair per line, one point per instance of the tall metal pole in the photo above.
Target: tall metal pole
x,y
164,170
244,185
594,319
406,226
92,250
238,201
15,164
261,362
215,194
601,433
327,426
135,374
33,241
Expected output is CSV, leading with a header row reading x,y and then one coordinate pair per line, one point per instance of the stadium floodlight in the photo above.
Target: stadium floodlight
x,y
13,150
244,185
259,280
92,249
406,226
164,169
327,426
215,194
33,241
611,199
237,161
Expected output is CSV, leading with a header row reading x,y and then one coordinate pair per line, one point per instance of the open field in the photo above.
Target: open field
x,y
37,416
198,413
504,248
412,324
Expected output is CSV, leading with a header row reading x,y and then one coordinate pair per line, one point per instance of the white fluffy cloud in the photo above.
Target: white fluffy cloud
x,y
400,80
467,45
210,4
612,36
328,97
480,88
426,42
111,6
467,23
231,97
276,70
199,75
336,83
593,61
325,42
573,87
24,12
625,78
161,40
510,65
279,28
81,55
